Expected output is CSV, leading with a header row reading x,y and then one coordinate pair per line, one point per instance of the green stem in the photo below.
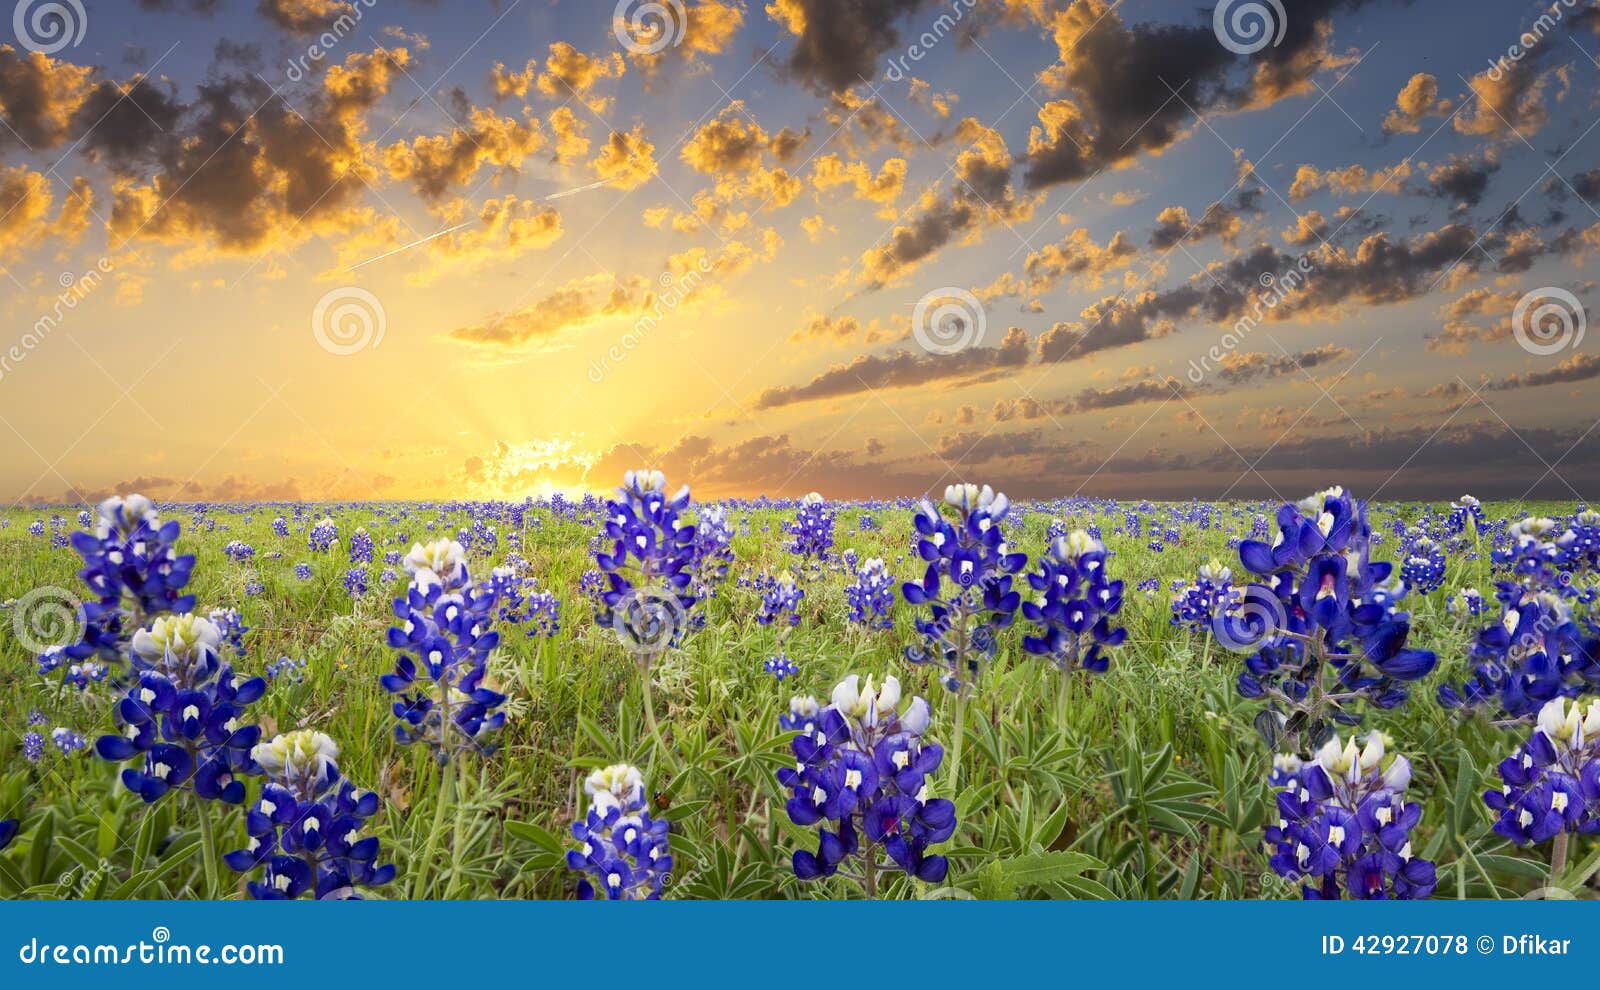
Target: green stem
x,y
434,832
650,708
208,849
1558,857
455,841
956,742
870,871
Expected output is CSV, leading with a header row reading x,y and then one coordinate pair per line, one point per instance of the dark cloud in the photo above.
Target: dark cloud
x,y
1463,179
904,369
1131,89
1577,368
838,42
130,125
1240,368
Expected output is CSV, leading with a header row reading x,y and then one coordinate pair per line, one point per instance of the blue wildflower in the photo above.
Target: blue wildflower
x,y
305,829
967,585
1344,825
622,851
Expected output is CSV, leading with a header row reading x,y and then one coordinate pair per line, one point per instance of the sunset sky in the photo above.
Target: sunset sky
x,y
319,249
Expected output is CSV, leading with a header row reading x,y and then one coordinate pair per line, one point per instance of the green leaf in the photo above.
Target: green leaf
x,y
1049,867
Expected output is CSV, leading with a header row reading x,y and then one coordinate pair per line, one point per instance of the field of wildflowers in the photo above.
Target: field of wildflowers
x,y
648,696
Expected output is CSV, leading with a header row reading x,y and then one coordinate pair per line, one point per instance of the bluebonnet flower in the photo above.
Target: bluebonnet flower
x,y
543,614
622,851
361,548
305,830
1534,654
1532,555
280,527
1580,544
1076,603
302,572
866,523
871,595
802,716
446,638
713,548
355,581
181,714
1423,567
1321,631
1195,606
134,573
1551,785
967,584
1469,601
8,831
861,776
323,535
238,551
1344,825
780,667
812,529
32,746
231,624
1466,510
592,586
288,669
780,599
66,740
650,566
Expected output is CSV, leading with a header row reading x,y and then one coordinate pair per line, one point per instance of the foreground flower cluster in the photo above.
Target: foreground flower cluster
x,y
1344,824
861,777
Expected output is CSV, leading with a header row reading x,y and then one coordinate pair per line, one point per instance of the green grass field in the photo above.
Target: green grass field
x,y
1152,771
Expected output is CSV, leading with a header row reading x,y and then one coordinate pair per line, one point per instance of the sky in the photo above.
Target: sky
x,y
394,249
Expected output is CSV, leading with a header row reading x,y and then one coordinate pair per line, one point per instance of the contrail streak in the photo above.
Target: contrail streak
x,y
423,240
407,247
